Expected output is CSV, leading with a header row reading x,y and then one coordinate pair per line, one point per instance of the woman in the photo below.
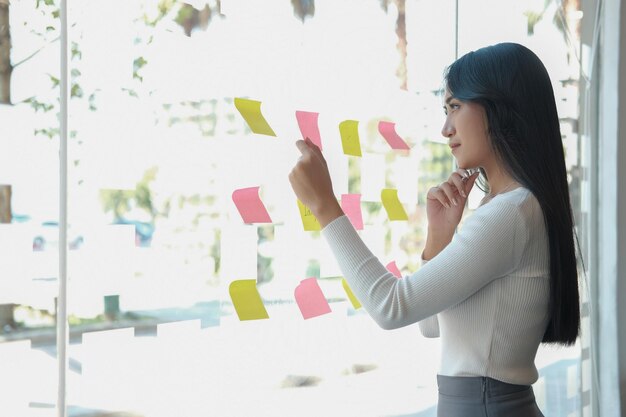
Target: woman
x,y
507,281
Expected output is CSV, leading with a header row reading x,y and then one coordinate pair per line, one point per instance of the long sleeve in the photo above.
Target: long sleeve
x,y
429,327
489,246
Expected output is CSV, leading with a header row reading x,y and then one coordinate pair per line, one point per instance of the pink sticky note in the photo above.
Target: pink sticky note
x,y
250,205
310,299
393,268
351,205
307,121
388,130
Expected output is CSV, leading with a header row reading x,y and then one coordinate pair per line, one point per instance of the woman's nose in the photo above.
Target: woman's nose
x,y
447,130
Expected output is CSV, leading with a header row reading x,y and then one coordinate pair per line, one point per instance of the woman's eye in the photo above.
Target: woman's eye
x,y
450,107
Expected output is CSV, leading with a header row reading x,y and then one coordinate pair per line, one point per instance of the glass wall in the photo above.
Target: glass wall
x,y
181,214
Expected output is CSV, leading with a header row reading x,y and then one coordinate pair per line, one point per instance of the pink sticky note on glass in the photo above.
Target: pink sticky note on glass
x,y
351,205
388,130
393,268
310,299
250,205
307,121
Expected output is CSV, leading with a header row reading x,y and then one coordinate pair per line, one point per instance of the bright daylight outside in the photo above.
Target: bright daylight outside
x,y
182,222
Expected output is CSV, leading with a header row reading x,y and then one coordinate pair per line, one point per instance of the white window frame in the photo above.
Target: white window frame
x,y
607,252
61,316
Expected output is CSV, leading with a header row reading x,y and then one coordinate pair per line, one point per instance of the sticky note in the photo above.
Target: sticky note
x,y
388,130
250,206
251,112
349,130
310,299
351,205
395,210
307,121
309,221
355,302
247,300
393,268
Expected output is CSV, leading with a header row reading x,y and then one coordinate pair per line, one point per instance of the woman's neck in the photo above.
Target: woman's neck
x,y
500,182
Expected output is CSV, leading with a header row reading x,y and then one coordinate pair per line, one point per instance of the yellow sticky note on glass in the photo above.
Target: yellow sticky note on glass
x,y
309,221
393,206
349,130
355,302
251,112
247,300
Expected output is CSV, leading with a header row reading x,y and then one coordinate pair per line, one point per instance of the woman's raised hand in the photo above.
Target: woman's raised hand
x,y
446,201
311,182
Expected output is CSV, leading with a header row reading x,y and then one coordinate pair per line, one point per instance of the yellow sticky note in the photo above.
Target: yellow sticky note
x,y
251,112
355,302
247,300
309,221
349,130
392,204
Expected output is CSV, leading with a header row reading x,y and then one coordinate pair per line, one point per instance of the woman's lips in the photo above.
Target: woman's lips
x,y
454,146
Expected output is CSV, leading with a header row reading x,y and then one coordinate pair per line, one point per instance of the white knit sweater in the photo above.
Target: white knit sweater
x,y
486,294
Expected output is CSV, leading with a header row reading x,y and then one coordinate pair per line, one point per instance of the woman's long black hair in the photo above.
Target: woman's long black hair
x,y
511,83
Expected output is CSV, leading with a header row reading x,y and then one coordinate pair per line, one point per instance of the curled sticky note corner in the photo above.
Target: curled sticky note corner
x,y
310,299
393,268
250,110
250,206
247,300
393,206
307,122
349,131
388,131
351,205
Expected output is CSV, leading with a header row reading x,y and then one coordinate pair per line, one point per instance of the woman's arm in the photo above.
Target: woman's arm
x,y
486,248
489,246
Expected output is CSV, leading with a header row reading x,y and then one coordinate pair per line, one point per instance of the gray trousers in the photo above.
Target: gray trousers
x,y
484,397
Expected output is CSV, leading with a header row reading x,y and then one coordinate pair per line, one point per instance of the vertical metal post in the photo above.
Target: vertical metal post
x,y
61,317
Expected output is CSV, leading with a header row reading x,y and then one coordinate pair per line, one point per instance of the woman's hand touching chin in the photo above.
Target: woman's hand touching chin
x,y
444,208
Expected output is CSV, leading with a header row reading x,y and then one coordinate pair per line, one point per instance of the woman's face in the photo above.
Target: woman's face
x,y
466,130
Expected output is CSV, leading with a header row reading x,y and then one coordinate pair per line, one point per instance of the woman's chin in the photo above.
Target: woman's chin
x,y
462,165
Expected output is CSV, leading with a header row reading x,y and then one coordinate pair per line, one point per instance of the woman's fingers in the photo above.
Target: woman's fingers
x,y
469,183
463,180
310,143
438,193
455,190
449,191
457,180
316,150
309,177
441,196
303,147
